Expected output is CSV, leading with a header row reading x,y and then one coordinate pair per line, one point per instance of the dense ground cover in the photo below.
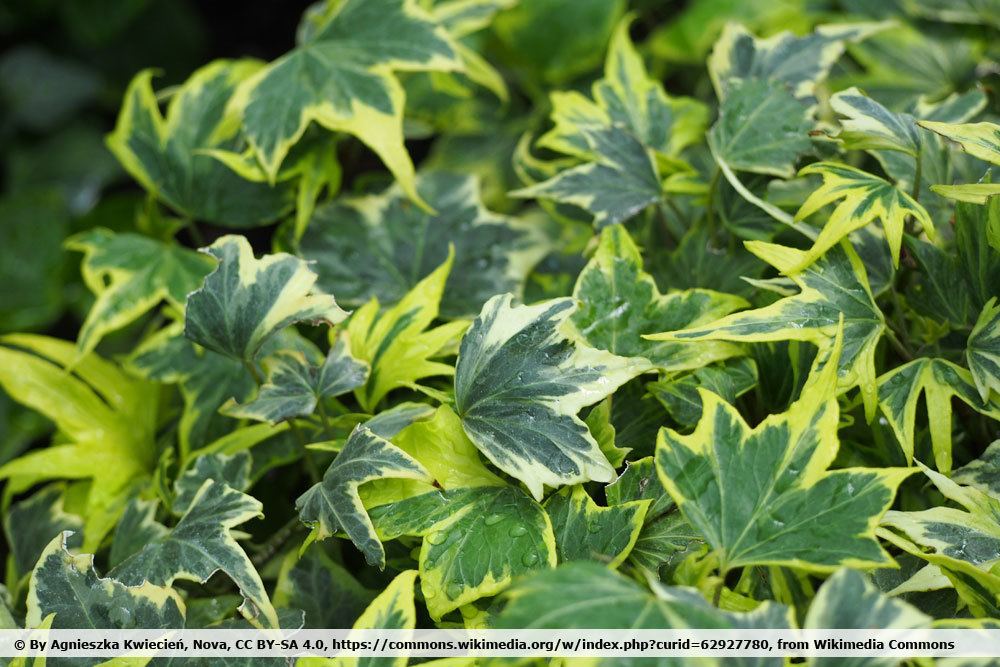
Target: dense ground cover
x,y
486,314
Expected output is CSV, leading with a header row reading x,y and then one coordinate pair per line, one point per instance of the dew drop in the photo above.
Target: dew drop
x,y
493,519
454,590
438,537
595,528
529,558
518,531
430,593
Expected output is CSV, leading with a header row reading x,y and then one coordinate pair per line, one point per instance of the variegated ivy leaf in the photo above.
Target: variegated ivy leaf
x,y
939,381
168,156
519,382
475,541
341,76
848,600
586,531
589,596
762,129
396,343
865,198
980,140
382,246
982,473
868,125
333,504
246,300
627,96
199,545
620,303
31,524
620,182
786,61
136,528
833,287
970,534
232,470
130,274
106,420
764,496
983,350
69,587
295,386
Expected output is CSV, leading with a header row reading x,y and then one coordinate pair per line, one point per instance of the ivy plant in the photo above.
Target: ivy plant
x,y
539,314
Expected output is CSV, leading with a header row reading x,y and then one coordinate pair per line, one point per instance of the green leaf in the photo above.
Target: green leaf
x,y
847,600
512,532
835,286
865,198
764,496
314,580
295,386
970,534
783,61
939,381
585,531
68,586
201,544
231,470
246,300
136,528
587,595
975,12
397,344
341,75
31,524
982,473
333,504
382,246
170,156
130,274
762,129
983,350
106,420
620,303
619,183
870,126
629,98
679,394
519,383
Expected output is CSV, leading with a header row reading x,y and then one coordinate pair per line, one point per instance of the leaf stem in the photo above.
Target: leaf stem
x,y
717,596
897,345
918,173
324,417
268,549
254,373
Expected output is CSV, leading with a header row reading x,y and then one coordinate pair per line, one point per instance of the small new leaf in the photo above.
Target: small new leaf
x,y
333,504
295,386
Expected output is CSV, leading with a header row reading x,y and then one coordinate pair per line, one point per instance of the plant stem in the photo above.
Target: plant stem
x,y
718,591
324,416
713,186
917,174
890,335
267,550
253,372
